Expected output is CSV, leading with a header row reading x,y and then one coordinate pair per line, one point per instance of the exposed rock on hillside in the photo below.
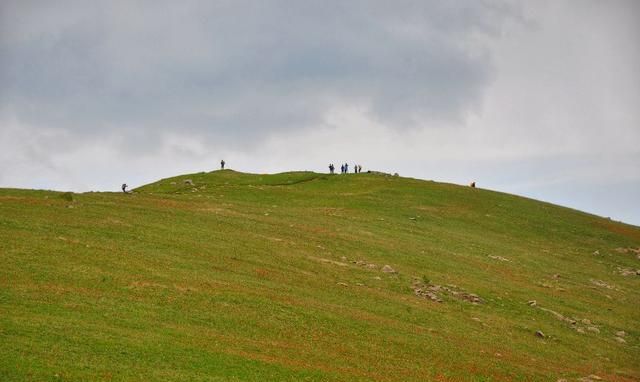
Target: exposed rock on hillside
x,y
435,292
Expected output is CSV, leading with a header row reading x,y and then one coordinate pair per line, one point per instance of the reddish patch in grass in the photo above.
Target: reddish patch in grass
x,y
619,228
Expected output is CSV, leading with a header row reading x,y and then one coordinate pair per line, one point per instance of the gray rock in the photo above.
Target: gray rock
x,y
388,269
540,334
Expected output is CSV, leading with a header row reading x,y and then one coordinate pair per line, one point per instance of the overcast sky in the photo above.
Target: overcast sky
x,y
538,98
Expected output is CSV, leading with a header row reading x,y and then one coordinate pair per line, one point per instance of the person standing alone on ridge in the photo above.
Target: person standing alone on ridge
x,y
222,164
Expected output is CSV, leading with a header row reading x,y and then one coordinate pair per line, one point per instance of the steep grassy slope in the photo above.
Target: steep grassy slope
x,y
279,277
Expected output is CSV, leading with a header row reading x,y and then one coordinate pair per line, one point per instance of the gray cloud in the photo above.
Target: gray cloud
x,y
241,69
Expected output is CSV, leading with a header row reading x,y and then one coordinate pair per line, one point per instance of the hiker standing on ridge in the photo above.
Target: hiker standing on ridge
x,y
346,168
342,169
124,187
222,164
359,169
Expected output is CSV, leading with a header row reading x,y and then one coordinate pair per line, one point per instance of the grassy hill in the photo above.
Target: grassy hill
x,y
226,276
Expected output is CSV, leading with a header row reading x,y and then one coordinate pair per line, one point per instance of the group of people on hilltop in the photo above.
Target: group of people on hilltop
x,y
344,169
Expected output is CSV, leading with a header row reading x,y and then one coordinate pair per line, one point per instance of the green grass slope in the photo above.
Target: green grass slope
x,y
240,277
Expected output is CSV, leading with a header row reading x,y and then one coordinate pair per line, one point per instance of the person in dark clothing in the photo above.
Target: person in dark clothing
x,y
346,168
331,168
124,187
342,169
222,164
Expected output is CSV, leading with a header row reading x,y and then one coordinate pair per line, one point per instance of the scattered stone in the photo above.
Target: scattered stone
x,y
621,333
601,283
555,276
629,250
388,269
498,258
590,378
328,261
555,314
596,253
377,278
343,258
412,218
621,340
427,294
474,298
585,379
343,284
532,303
189,182
571,321
628,271
435,292
540,334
